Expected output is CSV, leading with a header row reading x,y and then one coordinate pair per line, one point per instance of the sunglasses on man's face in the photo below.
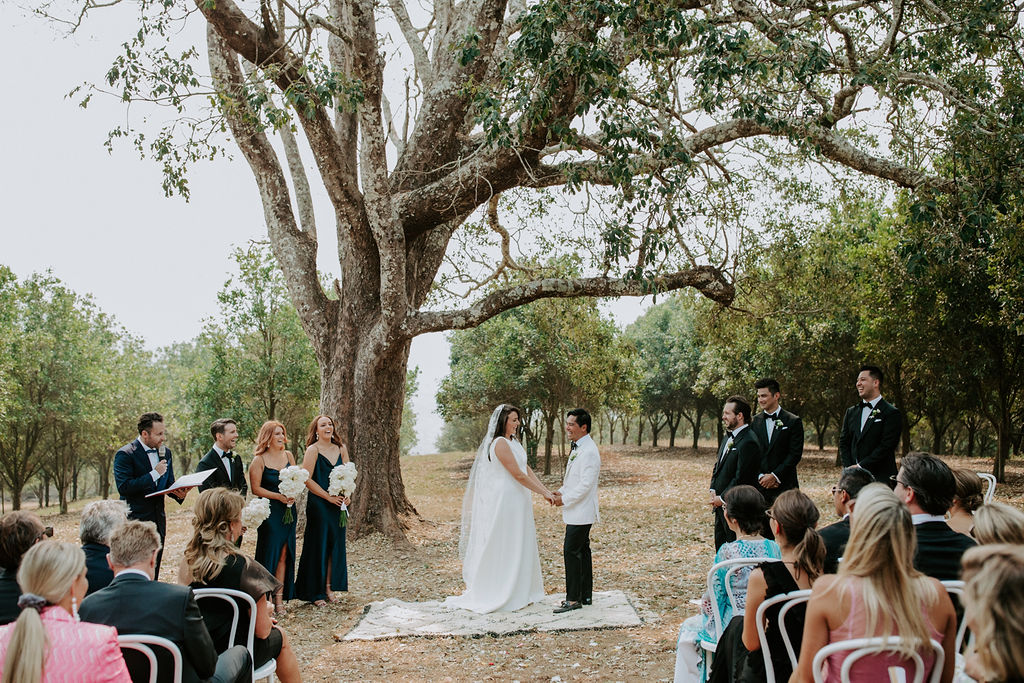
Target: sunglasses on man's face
x,y
47,532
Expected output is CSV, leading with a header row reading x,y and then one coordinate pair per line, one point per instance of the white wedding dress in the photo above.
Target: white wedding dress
x,y
501,564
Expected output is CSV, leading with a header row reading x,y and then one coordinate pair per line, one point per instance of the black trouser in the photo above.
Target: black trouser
x,y
579,568
723,534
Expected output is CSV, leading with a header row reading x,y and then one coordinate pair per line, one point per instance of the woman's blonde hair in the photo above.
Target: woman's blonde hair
x,y
48,570
999,523
211,544
266,434
994,601
881,553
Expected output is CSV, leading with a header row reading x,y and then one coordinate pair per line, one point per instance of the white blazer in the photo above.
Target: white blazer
x,y
579,488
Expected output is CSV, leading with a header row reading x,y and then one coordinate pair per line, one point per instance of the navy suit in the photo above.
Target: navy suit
x,y
874,446
97,570
133,478
169,611
737,465
939,550
781,454
835,537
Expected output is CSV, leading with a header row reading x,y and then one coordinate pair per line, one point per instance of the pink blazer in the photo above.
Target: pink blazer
x,y
79,651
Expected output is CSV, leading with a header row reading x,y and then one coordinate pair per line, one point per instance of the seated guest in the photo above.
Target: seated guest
x,y
792,518
744,508
47,644
159,609
926,486
212,561
19,531
994,596
999,523
877,592
99,520
844,497
968,498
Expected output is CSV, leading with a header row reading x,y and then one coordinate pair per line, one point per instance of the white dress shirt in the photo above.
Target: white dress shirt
x,y
865,412
154,458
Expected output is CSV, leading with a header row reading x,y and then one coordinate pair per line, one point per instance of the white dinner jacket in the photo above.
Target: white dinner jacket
x,y
579,488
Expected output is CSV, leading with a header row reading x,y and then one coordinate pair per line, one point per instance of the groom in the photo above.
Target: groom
x,y
578,500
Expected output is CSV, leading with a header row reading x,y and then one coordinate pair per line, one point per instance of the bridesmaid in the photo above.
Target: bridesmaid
x,y
275,540
323,545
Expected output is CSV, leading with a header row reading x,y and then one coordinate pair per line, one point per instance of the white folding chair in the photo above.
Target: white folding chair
x,y
731,567
228,595
867,647
957,588
141,643
791,600
990,492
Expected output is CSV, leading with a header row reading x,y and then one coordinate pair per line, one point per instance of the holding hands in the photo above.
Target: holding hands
x,y
555,498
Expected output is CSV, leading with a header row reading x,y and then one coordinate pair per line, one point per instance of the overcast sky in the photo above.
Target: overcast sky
x,y
101,222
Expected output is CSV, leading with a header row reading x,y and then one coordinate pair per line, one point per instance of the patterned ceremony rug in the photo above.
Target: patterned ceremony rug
x,y
393,618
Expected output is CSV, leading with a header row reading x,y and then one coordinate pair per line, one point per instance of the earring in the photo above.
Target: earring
x,y
74,608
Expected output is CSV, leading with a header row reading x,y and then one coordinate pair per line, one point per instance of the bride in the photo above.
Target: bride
x,y
498,543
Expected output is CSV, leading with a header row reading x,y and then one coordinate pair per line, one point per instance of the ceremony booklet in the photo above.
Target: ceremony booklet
x,y
186,481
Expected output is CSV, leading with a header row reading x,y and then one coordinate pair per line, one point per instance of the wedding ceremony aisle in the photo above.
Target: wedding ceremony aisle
x,y
653,543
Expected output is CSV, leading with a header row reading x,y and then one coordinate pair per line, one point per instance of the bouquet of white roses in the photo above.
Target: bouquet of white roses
x,y
255,512
343,483
293,481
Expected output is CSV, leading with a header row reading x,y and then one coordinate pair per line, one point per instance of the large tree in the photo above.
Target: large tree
x,y
661,101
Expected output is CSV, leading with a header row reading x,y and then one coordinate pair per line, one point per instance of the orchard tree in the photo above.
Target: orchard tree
x,y
658,110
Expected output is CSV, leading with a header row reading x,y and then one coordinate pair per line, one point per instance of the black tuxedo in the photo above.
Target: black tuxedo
x,y
133,480
135,605
939,550
10,591
234,480
781,454
737,465
835,537
874,448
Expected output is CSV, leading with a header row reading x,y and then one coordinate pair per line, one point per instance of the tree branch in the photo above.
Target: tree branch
x,y
419,53
706,279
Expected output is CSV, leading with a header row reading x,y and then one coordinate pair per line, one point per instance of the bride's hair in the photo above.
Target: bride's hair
x,y
506,410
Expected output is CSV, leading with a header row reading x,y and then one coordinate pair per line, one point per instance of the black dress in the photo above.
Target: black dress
x,y
274,535
240,573
733,662
323,540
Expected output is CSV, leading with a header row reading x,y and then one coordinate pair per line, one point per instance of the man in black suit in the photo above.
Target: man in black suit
x,y
135,604
226,466
781,436
871,429
926,485
739,458
844,497
142,467
100,519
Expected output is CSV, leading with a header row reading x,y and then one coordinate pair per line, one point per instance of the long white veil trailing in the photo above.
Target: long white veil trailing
x,y
477,486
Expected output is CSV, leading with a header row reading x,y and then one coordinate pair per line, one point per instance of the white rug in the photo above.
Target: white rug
x,y
393,618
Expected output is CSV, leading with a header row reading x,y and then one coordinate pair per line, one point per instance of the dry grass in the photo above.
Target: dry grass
x,y
654,541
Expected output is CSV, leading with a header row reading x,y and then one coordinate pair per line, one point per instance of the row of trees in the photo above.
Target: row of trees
x,y
915,288
73,382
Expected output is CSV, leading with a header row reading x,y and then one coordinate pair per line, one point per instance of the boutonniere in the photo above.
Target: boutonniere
x,y
779,425
728,444
875,413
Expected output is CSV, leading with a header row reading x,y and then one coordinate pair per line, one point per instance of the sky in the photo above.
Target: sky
x,y
100,221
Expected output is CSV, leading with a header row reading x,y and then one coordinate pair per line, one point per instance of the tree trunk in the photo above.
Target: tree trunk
x,y
46,489
74,482
625,429
379,502
640,431
673,426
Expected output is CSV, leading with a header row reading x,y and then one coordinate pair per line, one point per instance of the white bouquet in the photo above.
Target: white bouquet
x,y
255,512
293,480
343,483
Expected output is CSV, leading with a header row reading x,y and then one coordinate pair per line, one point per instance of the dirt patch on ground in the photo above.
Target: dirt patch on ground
x,y
654,542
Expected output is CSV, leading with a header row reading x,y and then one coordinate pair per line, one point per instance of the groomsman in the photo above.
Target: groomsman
x,y
142,467
871,429
781,436
739,459
578,500
226,466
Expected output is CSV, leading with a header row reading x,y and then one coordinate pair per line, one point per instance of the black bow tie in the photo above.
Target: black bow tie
x,y
228,454
773,416
865,405
728,435
573,446
151,450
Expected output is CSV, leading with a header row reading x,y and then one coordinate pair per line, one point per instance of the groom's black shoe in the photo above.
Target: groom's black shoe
x,y
587,601
567,607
